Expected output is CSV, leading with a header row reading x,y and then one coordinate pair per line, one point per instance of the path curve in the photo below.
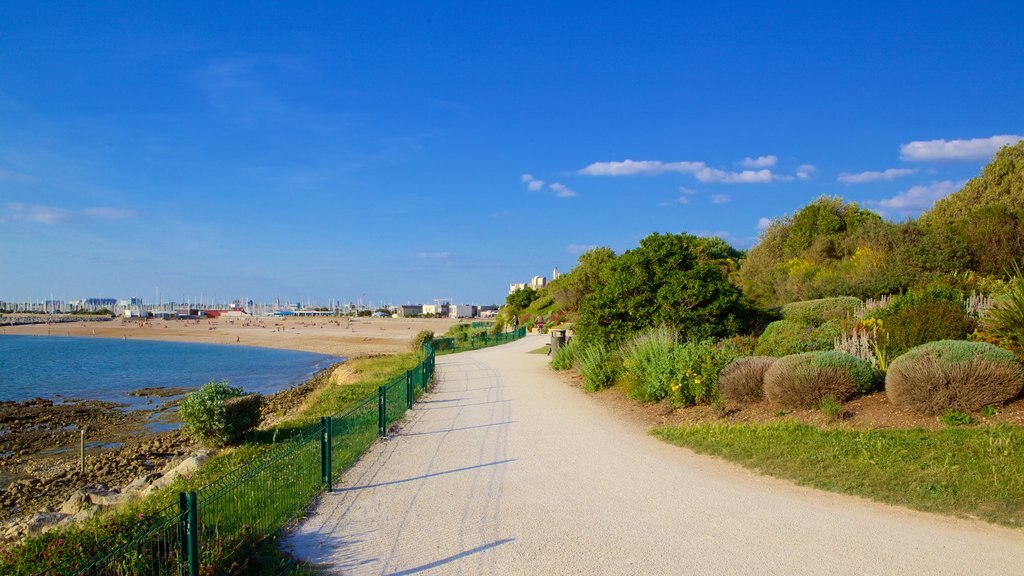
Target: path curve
x,y
504,469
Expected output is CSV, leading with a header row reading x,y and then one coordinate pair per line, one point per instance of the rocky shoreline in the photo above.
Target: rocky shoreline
x,y
43,485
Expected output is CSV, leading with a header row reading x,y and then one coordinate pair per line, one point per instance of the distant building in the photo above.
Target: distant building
x,y
513,288
462,311
555,274
441,310
538,282
407,310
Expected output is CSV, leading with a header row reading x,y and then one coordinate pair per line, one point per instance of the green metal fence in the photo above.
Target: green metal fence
x,y
467,342
252,501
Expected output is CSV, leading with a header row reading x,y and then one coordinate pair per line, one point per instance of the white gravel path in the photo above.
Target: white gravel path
x,y
505,469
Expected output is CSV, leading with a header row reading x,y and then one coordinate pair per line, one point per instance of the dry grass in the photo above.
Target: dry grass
x,y
743,379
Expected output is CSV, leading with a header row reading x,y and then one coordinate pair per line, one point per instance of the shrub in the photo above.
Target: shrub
x,y
926,321
699,365
598,366
649,357
831,407
785,337
743,379
422,337
953,375
802,380
956,418
743,344
564,358
211,419
817,312
1006,317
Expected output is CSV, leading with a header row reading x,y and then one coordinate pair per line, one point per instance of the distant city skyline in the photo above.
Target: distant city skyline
x,y
414,150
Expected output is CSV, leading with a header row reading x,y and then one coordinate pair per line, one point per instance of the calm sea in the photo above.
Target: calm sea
x,y
106,369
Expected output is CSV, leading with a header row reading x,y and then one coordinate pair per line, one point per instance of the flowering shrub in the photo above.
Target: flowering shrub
x,y
699,365
785,337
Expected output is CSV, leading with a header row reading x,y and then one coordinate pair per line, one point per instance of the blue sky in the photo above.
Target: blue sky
x,y
408,150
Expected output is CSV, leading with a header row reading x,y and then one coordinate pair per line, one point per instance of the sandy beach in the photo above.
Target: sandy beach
x,y
344,336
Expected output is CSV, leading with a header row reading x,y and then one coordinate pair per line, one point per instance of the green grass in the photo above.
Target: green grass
x,y
975,472
238,514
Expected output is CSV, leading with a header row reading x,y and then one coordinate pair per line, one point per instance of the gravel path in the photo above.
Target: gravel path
x,y
505,469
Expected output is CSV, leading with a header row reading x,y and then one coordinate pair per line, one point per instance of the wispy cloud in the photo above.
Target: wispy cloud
x,y
106,213
561,190
915,200
759,162
577,249
720,198
11,176
973,149
435,255
805,171
763,223
35,213
700,170
50,215
874,176
680,201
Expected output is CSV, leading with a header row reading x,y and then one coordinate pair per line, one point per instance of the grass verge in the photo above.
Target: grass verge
x,y
234,551
967,472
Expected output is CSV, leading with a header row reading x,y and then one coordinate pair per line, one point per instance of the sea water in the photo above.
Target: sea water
x,y
63,368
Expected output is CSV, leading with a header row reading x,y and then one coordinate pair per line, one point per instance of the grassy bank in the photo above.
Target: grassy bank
x,y
233,550
975,472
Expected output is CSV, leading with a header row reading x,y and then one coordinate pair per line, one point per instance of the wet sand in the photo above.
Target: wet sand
x,y
344,336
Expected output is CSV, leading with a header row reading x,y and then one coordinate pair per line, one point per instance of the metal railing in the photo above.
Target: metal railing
x,y
253,501
465,342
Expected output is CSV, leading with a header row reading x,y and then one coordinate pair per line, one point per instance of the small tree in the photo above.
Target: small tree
x,y
521,298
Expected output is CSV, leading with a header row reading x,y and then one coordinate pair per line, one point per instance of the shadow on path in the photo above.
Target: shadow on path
x,y
452,558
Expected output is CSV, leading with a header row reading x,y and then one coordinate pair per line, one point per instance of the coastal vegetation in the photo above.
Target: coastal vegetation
x,y
835,304
239,551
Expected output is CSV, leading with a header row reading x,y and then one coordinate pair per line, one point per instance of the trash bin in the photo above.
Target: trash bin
x,y
557,340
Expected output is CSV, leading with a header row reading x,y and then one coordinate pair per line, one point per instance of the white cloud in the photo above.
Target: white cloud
x,y
699,170
763,223
577,249
435,255
680,201
36,213
874,176
805,171
535,185
109,213
759,162
524,178
561,190
917,199
973,149
687,191
720,198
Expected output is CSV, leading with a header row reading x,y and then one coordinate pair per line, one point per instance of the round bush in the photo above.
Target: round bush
x,y
785,337
743,379
953,375
817,312
803,380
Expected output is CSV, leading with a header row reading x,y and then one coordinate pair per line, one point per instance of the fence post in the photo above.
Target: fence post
x,y
382,409
423,375
183,528
192,533
325,451
408,388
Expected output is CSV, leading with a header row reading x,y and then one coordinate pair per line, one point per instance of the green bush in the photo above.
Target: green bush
x,y
649,357
956,418
913,324
211,419
565,357
699,366
1006,318
817,312
598,366
803,380
953,375
743,379
422,337
785,337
